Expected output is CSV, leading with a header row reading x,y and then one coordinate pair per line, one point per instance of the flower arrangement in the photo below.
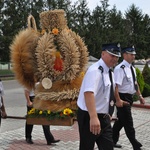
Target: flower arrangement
x,y
36,113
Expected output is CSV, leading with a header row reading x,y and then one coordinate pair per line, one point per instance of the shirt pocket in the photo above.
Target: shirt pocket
x,y
107,85
129,79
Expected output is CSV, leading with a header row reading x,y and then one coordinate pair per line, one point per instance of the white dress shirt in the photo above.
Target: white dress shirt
x,y
124,79
98,83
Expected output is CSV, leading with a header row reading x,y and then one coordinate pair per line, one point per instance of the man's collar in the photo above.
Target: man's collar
x,y
126,63
103,64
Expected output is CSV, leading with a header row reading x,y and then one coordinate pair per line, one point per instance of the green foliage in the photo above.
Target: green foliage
x,y
141,83
35,113
146,91
6,72
140,80
146,74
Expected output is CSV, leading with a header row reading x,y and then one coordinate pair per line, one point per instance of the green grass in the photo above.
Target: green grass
x,y
5,72
4,75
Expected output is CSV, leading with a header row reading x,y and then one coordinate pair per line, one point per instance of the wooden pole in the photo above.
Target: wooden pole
x,y
16,117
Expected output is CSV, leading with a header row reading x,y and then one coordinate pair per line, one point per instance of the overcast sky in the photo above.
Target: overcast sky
x,y
122,5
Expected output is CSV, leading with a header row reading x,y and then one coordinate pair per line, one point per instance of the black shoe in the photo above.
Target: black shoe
x,y
117,146
29,141
54,141
140,145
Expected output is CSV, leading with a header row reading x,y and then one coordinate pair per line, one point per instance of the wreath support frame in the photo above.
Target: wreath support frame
x,y
69,121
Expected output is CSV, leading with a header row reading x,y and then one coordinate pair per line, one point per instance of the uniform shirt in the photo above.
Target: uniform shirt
x,y
93,81
124,79
1,93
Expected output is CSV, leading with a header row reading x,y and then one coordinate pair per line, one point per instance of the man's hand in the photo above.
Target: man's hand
x,y
121,103
95,126
30,104
142,100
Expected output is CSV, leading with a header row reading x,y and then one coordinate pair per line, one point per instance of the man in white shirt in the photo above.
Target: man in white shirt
x,y
94,101
126,86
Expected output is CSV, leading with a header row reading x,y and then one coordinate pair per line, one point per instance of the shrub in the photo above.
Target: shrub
x,y
146,74
146,91
141,83
140,79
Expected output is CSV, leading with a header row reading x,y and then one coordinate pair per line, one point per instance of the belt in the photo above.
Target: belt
x,y
101,115
126,94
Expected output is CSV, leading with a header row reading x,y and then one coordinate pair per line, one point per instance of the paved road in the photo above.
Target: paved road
x,y
12,130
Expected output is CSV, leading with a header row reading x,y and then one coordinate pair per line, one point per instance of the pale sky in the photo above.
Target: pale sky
x,y
122,5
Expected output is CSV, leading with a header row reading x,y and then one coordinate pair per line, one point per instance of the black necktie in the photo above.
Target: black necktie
x,y
112,97
134,79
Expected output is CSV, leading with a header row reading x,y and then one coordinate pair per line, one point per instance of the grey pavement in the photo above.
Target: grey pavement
x,y
12,130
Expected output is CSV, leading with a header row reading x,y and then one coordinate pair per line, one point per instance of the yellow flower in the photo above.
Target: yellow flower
x,y
55,31
48,111
67,111
29,113
32,111
40,112
49,114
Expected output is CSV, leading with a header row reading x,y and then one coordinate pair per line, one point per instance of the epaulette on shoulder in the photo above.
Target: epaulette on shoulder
x,y
122,66
101,68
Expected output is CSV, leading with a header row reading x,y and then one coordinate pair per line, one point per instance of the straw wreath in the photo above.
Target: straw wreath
x,y
34,54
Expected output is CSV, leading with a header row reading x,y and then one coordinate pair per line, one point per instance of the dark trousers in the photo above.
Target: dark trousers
x,y
87,139
125,120
46,128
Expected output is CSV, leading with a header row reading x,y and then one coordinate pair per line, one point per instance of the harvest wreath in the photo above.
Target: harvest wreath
x,y
56,58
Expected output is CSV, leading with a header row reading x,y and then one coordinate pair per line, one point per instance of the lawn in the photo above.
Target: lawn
x,y
6,72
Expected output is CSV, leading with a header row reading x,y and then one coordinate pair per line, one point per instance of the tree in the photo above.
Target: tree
x,y
81,16
102,25
98,28
13,19
116,26
134,17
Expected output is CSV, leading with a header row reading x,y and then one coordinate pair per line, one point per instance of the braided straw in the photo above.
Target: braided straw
x,y
53,19
31,23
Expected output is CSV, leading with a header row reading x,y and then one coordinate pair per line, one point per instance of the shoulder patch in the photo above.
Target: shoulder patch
x,y
101,68
122,66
